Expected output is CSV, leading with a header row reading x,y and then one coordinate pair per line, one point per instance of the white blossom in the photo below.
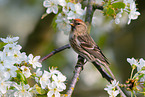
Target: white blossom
x,y
11,48
9,93
11,70
111,89
53,90
38,74
76,12
51,5
16,57
113,93
26,71
63,24
4,85
4,75
3,59
22,90
140,66
69,6
62,2
44,80
9,40
24,57
130,9
34,61
10,58
133,13
59,80
112,86
132,61
53,71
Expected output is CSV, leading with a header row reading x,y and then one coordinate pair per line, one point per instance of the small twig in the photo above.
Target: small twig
x,y
55,51
89,13
75,78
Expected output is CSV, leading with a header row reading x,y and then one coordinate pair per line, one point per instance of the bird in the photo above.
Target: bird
x,y
84,45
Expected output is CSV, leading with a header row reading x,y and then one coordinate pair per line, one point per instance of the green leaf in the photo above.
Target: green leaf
x,y
118,5
140,76
2,44
40,90
110,11
22,78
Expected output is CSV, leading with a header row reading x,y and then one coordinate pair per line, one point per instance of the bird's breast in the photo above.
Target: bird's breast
x,y
74,41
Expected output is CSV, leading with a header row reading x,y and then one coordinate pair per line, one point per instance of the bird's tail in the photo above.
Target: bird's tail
x,y
102,71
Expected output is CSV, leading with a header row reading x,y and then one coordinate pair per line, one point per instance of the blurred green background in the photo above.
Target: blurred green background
x,y
37,36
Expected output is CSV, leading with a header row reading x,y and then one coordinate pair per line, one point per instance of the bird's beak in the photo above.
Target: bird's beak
x,y
71,24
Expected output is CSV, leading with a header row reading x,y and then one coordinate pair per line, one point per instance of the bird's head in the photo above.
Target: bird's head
x,y
78,26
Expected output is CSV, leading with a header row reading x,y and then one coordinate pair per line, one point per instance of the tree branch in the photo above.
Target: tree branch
x,y
75,78
89,13
67,46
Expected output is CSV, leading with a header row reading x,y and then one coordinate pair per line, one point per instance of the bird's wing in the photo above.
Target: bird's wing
x,y
88,44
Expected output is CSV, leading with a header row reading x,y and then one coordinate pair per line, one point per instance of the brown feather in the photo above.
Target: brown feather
x,y
88,44
83,43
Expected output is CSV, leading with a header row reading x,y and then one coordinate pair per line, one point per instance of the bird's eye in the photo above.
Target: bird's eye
x,y
78,23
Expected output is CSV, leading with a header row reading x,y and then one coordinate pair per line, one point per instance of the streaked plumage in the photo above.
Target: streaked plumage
x,y
84,45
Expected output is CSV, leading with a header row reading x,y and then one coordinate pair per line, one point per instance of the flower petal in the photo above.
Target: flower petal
x,y
55,9
49,10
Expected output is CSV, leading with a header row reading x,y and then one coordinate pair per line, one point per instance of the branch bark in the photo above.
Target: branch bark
x,y
78,69
67,46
